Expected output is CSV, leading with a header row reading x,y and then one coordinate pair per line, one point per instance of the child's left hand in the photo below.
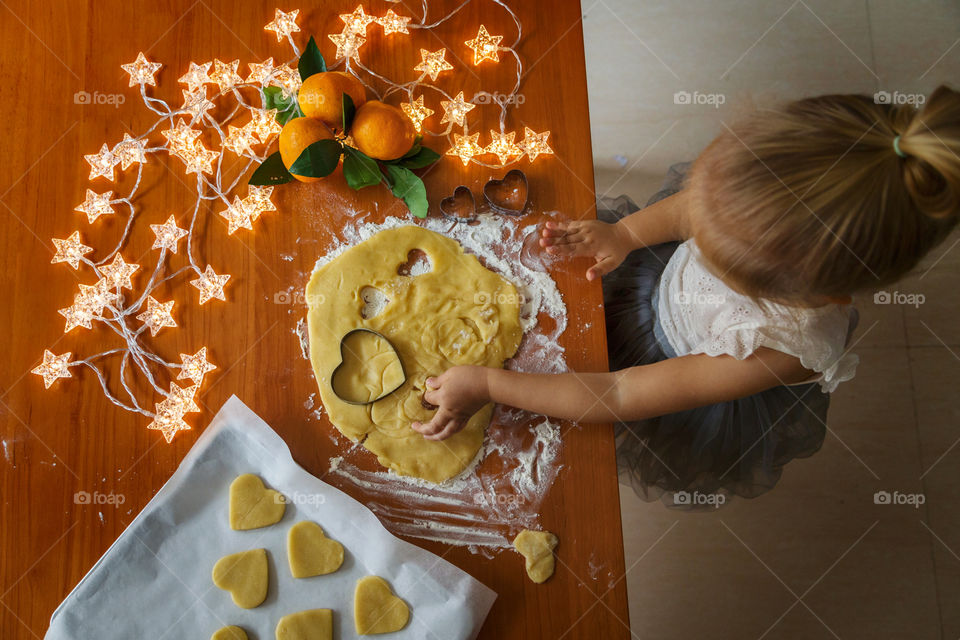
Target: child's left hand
x,y
459,393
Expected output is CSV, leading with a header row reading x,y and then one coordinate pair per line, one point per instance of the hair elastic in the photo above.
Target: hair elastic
x,y
896,147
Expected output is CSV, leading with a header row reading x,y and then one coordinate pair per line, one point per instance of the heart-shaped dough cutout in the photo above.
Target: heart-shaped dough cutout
x,y
537,548
311,553
509,195
229,633
376,609
370,368
312,624
244,575
252,505
460,207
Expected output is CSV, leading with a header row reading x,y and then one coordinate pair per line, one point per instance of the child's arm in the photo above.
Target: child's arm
x,y
609,244
641,392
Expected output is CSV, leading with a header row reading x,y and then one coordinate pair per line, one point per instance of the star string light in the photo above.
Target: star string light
x,y
237,216
70,250
431,64
260,72
454,110
240,140
196,76
210,285
263,123
167,235
348,44
53,367
393,23
128,151
102,163
357,21
503,146
465,147
534,144
142,71
284,24
96,205
225,74
417,112
485,46
196,103
195,367
157,316
118,273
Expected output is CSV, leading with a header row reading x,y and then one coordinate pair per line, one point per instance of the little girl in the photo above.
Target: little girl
x,y
728,301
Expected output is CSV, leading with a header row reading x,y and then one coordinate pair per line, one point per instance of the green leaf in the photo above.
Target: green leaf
x,y
408,187
349,110
271,171
311,60
359,169
414,150
318,160
286,106
424,157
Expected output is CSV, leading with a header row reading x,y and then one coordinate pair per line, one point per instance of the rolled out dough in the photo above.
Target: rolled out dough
x,y
457,312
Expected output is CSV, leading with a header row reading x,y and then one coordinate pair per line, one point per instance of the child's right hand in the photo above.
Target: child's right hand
x,y
607,243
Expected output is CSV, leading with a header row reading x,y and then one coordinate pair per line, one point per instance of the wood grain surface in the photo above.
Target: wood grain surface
x,y
70,438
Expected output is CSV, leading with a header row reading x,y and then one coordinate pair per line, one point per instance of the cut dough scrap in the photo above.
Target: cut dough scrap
x,y
312,624
537,548
370,368
229,633
458,312
311,553
252,505
245,576
376,609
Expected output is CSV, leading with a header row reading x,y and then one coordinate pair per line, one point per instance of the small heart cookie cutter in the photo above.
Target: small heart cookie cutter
x,y
383,395
450,205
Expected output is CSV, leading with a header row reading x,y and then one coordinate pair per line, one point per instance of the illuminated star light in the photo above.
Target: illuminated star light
x,y
95,298
357,21
70,250
263,123
433,63
118,273
195,366
239,140
393,23
96,205
348,44
237,216
77,315
157,316
167,235
283,24
288,79
454,110
417,112
258,201
260,73
225,74
197,76
465,147
180,139
101,163
170,411
210,285
196,103
142,71
503,146
485,46
128,151
199,159
183,396
53,367
534,144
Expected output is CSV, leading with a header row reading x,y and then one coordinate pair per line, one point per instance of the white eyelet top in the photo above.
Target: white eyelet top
x,y
698,313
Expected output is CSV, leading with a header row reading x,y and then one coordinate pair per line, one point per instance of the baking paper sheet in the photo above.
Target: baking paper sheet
x,y
154,581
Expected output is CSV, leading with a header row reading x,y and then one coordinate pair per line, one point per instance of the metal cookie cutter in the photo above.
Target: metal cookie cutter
x,y
509,195
383,395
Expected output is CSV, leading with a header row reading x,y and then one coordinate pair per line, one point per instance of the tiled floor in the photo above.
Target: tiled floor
x,y
816,557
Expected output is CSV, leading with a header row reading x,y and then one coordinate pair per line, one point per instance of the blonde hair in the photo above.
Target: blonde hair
x,y
811,200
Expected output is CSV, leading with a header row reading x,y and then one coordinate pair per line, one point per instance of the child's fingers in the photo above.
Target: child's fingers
x,y
448,430
569,238
436,425
602,268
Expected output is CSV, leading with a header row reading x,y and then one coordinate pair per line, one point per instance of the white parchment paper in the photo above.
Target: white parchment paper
x,y
155,580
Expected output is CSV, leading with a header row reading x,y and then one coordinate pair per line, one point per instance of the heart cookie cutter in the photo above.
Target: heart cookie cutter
x,y
383,395
507,196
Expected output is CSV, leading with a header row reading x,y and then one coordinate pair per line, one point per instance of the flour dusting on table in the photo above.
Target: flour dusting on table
x,y
501,491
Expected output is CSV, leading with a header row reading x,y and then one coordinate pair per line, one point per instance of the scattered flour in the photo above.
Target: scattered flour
x,y
502,489
309,403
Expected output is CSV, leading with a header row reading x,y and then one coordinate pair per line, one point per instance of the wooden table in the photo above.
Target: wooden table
x,y
70,438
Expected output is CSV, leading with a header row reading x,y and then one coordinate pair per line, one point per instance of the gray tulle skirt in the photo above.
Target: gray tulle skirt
x,y
697,458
